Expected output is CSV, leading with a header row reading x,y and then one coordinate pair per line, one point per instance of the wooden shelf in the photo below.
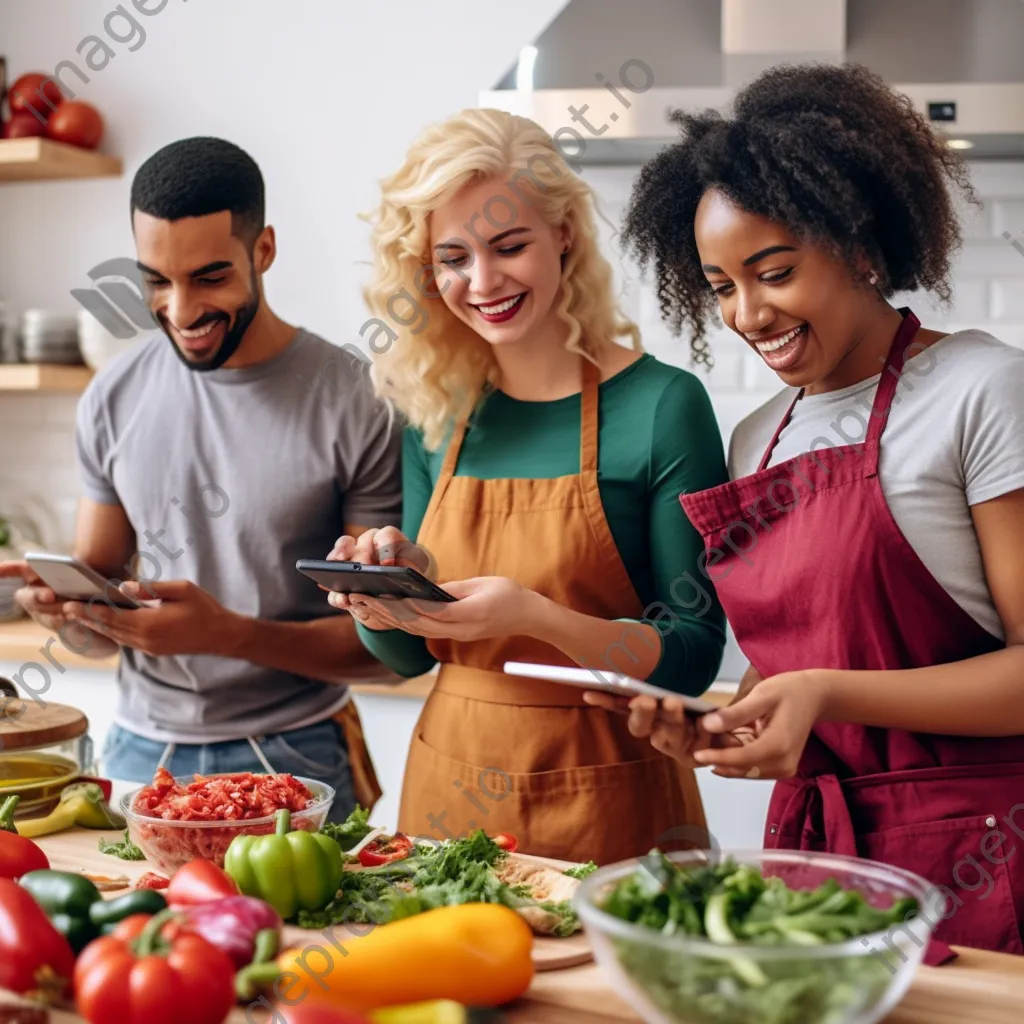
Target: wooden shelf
x,y
35,159
43,377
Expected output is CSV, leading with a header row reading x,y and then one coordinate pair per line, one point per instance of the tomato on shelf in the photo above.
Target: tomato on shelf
x,y
385,850
35,91
77,124
23,126
507,842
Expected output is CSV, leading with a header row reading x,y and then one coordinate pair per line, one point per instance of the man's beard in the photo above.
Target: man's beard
x,y
233,335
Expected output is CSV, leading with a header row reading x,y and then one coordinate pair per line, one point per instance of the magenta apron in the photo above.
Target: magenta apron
x,y
813,572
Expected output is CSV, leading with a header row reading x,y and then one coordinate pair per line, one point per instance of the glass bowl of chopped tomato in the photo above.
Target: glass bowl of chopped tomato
x,y
175,820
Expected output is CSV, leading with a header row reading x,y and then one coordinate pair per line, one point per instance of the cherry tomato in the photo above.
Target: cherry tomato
x,y
384,850
77,124
508,843
25,94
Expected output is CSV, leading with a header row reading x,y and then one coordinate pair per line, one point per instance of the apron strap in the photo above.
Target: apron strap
x,y
451,458
589,419
883,394
763,464
891,372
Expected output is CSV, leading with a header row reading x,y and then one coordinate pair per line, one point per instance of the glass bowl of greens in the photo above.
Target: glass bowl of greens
x,y
758,937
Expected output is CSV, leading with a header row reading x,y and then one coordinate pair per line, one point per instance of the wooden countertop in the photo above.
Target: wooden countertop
x,y
24,639
978,988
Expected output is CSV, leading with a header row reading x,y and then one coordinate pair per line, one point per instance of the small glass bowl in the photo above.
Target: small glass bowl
x,y
170,844
683,979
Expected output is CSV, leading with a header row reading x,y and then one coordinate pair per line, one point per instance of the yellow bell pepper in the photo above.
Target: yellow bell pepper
x,y
437,1011
477,954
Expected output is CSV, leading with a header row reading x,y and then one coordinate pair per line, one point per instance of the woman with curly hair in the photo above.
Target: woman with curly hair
x,y
541,471
868,549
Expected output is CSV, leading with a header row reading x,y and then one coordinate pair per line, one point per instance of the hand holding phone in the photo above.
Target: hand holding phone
x,y
72,580
393,582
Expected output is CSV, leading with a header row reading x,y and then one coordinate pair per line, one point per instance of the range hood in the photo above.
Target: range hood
x,y
624,65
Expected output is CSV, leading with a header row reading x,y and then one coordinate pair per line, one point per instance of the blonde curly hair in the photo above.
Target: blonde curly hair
x,y
434,371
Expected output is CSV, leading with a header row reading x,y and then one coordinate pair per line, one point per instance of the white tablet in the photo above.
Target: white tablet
x,y
606,682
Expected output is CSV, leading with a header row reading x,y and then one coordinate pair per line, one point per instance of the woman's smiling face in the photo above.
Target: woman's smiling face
x,y
791,302
497,261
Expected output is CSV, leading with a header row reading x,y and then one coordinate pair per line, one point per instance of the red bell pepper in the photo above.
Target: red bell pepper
x,y
34,956
150,980
199,881
385,849
18,855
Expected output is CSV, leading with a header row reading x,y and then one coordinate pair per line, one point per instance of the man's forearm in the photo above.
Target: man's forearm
x,y
326,649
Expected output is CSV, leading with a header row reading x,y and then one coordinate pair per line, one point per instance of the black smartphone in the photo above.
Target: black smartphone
x,y
372,580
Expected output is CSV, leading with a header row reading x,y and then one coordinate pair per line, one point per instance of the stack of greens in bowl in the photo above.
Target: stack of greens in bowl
x,y
733,943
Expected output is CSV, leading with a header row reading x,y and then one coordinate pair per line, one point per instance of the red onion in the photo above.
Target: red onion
x,y
232,924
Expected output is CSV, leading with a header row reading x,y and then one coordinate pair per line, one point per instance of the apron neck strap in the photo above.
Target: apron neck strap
x,y
883,395
588,417
891,372
588,427
451,455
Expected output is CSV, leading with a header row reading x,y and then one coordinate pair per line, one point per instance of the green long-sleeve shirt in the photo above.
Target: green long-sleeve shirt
x,y
658,438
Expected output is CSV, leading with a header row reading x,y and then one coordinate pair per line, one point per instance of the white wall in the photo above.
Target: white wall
x,y
325,94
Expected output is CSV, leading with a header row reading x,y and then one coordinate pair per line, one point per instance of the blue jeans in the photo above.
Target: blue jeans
x,y
316,752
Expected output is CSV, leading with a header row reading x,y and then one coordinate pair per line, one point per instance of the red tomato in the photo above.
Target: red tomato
x,y
77,124
116,982
508,843
199,881
25,93
384,850
151,880
23,126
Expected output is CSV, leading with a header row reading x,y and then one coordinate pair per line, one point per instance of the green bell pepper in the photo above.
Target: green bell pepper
x,y
67,899
291,871
108,914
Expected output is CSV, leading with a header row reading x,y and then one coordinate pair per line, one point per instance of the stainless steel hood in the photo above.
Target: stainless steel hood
x,y
605,74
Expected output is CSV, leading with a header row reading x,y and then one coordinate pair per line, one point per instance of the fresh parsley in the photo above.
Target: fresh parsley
x,y
581,871
125,850
353,830
454,872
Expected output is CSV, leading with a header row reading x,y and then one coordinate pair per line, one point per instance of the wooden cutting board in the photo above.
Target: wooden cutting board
x,y
978,988
78,850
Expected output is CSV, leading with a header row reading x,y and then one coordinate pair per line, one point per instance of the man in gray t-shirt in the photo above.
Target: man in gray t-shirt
x,y
212,456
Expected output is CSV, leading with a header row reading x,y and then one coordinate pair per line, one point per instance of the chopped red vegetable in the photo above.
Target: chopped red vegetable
x,y
199,881
507,842
385,849
151,880
235,797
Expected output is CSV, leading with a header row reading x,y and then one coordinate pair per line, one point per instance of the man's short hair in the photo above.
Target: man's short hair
x,y
200,176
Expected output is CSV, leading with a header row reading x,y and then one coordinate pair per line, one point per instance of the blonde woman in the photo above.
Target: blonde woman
x,y
543,464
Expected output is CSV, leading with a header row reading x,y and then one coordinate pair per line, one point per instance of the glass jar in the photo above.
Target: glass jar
x,y
43,748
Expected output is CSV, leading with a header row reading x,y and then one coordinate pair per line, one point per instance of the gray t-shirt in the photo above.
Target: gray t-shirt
x,y
955,438
227,477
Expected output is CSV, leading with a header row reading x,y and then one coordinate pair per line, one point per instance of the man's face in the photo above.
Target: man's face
x,y
200,284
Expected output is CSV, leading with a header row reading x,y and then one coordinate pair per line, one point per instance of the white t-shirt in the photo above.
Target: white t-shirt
x,y
955,438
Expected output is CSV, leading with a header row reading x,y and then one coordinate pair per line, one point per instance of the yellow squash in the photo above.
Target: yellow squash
x,y
477,954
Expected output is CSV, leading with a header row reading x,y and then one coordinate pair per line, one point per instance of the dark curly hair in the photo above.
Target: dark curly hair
x,y
199,176
831,153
